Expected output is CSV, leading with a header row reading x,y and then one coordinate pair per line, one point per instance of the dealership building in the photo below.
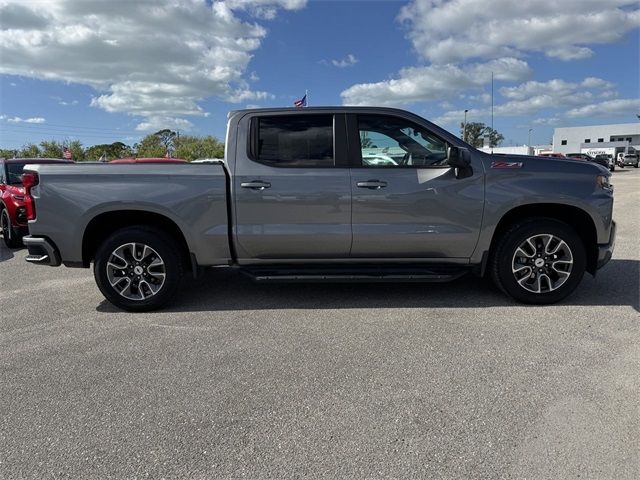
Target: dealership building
x,y
598,139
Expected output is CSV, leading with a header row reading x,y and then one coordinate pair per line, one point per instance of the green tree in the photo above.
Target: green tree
x,y
77,150
191,148
111,150
30,150
50,149
476,131
167,138
150,146
9,153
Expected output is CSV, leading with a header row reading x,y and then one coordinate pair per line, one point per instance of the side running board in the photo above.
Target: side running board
x,y
444,273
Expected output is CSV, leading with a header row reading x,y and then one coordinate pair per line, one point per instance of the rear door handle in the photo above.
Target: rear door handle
x,y
372,184
256,185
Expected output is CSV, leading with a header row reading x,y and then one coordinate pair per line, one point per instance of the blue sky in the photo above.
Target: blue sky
x,y
115,71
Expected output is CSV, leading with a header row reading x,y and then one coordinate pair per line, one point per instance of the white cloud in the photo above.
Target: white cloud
x,y
265,9
445,32
156,123
594,82
620,107
434,82
23,120
565,99
482,98
608,94
555,88
154,58
551,121
349,61
455,117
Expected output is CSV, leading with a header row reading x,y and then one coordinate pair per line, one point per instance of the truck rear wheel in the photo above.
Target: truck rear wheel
x,y
539,260
138,269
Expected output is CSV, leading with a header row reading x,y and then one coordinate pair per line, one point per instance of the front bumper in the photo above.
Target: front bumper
x,y
41,251
606,251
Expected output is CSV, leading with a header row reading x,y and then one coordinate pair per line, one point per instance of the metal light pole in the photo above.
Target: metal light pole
x,y
464,127
529,143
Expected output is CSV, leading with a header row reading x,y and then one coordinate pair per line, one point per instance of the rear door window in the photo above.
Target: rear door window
x,y
293,141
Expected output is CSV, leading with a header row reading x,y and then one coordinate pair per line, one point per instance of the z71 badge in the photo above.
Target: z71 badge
x,y
506,165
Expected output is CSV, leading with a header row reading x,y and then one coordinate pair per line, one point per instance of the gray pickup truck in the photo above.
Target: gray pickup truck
x,y
326,194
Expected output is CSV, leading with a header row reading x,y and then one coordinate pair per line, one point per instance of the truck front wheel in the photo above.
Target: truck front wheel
x,y
539,260
138,269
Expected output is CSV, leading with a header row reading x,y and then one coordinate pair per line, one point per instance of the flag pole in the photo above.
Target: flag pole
x,y
306,94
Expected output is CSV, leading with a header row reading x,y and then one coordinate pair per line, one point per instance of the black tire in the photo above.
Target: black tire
x,y
503,258
636,165
11,238
613,168
159,243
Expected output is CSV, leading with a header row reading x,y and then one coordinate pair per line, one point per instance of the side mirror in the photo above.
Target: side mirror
x,y
460,159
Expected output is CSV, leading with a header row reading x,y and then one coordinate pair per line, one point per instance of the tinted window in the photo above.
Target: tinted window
x,y
587,140
14,173
563,142
294,141
394,142
600,140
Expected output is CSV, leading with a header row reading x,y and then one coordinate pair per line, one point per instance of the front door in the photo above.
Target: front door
x,y
407,201
291,200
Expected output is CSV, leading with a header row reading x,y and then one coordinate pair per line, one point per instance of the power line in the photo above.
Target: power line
x,y
64,134
80,127
42,127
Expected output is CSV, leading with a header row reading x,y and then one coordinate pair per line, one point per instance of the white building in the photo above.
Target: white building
x,y
596,139
519,150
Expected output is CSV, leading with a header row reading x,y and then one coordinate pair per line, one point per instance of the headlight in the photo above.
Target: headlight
x,y
603,182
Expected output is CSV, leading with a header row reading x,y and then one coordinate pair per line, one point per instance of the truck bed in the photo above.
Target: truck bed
x,y
193,196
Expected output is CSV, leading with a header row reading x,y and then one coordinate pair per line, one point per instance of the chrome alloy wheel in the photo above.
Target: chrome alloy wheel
x,y
542,263
136,271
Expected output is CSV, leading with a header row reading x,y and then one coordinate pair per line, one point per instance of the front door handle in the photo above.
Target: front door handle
x,y
372,184
256,185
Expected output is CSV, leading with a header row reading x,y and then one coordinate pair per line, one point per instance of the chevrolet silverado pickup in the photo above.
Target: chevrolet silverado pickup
x,y
326,194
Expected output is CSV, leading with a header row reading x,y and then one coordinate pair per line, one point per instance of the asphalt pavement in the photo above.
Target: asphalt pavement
x,y
244,380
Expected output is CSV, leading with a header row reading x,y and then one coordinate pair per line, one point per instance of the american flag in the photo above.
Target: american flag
x,y
66,153
302,102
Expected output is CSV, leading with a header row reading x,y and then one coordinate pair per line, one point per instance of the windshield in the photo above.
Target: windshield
x,y
14,173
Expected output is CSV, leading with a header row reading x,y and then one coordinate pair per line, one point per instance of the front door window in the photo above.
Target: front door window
x,y
394,142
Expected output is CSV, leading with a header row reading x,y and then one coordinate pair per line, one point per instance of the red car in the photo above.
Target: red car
x,y
148,160
13,217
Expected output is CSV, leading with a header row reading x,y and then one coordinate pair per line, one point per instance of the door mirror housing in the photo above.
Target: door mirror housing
x,y
460,159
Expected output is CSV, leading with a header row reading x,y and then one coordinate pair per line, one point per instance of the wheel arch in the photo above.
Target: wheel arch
x,y
104,224
575,217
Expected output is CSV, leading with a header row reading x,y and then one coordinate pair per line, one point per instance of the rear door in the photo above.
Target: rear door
x,y
407,201
292,188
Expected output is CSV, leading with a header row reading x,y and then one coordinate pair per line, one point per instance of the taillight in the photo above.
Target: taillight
x,y
29,180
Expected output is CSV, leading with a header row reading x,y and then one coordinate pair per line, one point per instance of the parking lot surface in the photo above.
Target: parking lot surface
x,y
237,379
